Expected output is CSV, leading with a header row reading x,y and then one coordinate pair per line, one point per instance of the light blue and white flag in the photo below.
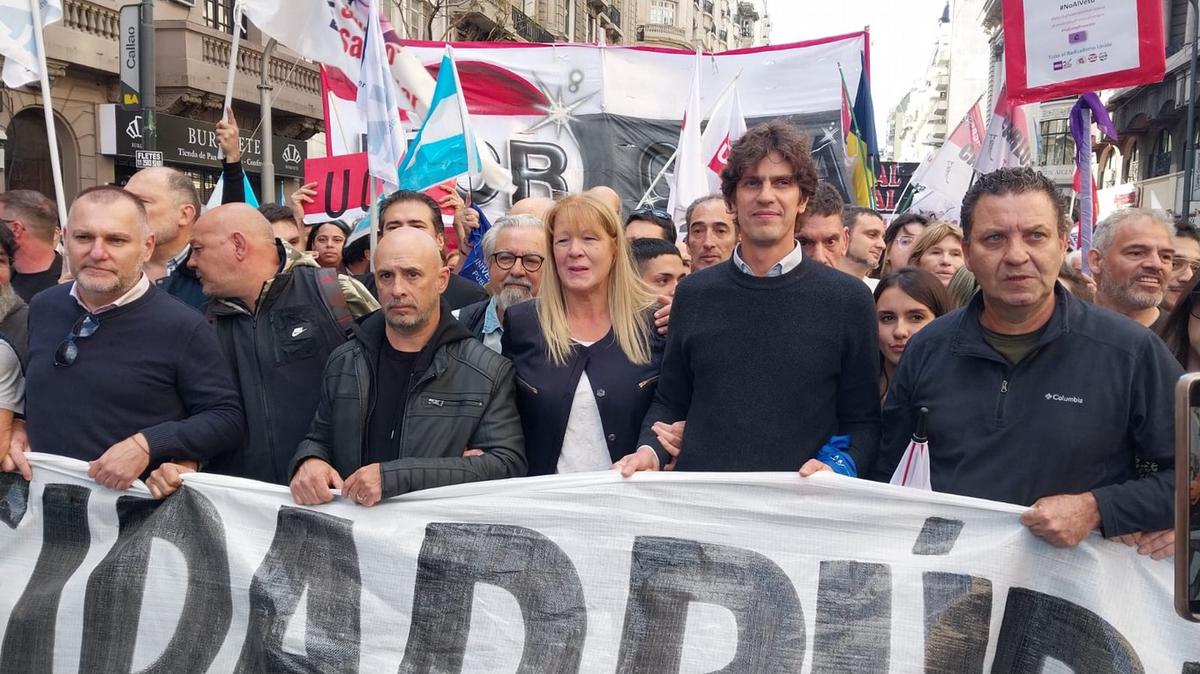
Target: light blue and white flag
x,y
378,103
17,41
445,145
218,193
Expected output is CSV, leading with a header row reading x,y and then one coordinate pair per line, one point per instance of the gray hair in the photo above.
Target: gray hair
x,y
521,221
1106,229
691,209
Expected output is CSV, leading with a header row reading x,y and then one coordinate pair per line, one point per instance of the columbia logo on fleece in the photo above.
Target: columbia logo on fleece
x,y
1060,398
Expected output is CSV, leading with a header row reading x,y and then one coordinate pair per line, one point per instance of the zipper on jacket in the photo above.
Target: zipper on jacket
x,y
262,388
646,382
439,402
531,387
1003,397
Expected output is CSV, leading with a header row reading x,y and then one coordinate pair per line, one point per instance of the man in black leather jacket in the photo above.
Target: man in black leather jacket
x,y
412,401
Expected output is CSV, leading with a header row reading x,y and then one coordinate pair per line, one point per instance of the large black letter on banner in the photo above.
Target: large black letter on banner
x,y
551,175
525,563
29,639
1039,626
315,551
958,618
113,604
668,573
854,618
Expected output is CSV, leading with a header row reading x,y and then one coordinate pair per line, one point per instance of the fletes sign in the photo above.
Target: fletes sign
x,y
1056,48
190,142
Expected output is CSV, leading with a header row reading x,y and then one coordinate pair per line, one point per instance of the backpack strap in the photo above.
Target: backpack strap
x,y
335,300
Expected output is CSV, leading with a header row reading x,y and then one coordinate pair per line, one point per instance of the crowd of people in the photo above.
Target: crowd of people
x,y
788,331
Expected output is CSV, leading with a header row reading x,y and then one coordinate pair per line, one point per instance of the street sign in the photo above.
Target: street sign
x,y
147,158
129,55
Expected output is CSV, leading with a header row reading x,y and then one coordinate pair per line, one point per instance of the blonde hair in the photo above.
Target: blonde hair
x,y
628,300
929,237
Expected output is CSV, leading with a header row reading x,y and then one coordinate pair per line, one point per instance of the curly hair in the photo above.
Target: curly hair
x,y
757,143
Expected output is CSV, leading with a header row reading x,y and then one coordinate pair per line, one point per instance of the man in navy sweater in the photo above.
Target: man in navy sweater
x,y
121,374
770,353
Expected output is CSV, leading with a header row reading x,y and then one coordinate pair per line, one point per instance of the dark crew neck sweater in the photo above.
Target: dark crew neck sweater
x,y
765,370
152,366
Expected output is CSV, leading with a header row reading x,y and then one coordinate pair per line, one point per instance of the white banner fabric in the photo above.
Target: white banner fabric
x,y
666,572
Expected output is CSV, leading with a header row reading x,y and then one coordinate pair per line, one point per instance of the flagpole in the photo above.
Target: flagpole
x,y
235,43
48,109
374,216
671,159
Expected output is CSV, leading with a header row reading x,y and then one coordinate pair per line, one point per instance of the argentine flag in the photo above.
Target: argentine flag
x,y
218,193
445,145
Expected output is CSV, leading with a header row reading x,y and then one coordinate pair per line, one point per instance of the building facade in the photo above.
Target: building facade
x,y
98,142
918,125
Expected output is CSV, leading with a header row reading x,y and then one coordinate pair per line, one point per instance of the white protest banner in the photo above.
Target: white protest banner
x,y
664,572
1056,48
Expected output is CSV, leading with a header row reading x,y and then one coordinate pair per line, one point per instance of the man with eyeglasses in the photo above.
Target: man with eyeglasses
x,y
1186,263
515,248
121,374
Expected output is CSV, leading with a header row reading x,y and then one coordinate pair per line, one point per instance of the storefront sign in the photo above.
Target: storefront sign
x,y
193,143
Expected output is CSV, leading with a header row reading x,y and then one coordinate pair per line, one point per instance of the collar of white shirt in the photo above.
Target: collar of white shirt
x,y
788,263
140,288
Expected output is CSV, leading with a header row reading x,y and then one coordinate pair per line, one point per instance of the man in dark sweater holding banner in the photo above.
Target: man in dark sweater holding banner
x,y
121,374
770,354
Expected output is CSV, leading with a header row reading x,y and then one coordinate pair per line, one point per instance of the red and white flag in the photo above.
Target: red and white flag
x,y
1011,138
724,128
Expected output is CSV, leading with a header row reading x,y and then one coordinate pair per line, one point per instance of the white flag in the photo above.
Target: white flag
x,y
17,42
313,29
689,182
378,104
1010,140
724,128
943,178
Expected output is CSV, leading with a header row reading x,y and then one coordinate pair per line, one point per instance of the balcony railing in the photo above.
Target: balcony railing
x,y
529,29
614,15
90,18
215,51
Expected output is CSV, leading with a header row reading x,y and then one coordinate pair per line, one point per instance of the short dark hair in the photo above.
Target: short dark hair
x,y
1012,181
656,216
901,220
920,285
8,243
825,201
645,250
1185,229
761,140
401,196
357,251
851,214
36,210
312,233
276,212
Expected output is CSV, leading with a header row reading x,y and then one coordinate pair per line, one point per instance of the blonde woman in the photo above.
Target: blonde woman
x,y
938,250
586,351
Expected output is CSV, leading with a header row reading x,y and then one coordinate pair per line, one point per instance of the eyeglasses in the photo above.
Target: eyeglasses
x,y
68,350
530,261
1180,262
650,214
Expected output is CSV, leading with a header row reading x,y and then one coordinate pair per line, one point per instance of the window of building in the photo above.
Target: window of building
x,y
219,14
662,12
1177,26
1057,147
1133,170
1160,160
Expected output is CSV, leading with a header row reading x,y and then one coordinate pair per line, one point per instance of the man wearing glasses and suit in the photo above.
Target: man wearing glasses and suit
x,y
121,374
515,248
